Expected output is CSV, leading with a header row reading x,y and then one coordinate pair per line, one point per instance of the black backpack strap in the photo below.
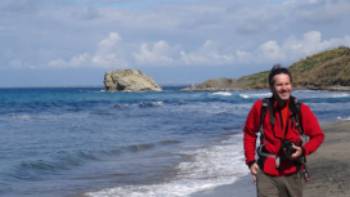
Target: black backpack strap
x,y
264,107
271,111
299,118
295,106
297,115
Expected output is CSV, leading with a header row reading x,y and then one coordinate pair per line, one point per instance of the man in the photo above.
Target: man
x,y
282,122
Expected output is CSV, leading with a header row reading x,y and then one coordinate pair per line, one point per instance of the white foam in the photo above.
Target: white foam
x,y
158,103
23,117
213,108
245,96
339,95
222,93
213,166
312,94
45,116
343,118
255,95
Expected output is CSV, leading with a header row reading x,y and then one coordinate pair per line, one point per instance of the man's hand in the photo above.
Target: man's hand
x,y
298,152
254,171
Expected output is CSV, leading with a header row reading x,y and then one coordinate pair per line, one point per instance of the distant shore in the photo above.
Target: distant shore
x,y
329,167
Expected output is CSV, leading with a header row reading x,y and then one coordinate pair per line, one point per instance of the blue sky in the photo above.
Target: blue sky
x,y
73,43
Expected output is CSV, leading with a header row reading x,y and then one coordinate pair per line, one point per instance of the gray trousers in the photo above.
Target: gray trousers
x,y
282,186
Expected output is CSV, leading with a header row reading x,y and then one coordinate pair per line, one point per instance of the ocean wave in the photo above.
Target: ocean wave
x,y
169,142
215,161
343,118
22,117
41,165
214,108
33,169
120,106
318,94
42,116
339,95
140,147
147,146
143,104
51,105
254,95
151,104
222,93
208,168
63,160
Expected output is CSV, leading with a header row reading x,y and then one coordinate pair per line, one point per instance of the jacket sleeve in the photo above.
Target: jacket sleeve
x,y
250,132
312,129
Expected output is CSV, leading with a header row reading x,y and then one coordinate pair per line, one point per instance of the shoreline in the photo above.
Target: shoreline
x,y
329,167
242,187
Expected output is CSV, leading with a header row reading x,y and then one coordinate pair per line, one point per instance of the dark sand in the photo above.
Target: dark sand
x,y
330,165
329,168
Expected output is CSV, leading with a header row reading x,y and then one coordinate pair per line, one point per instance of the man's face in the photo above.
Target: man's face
x,y
282,86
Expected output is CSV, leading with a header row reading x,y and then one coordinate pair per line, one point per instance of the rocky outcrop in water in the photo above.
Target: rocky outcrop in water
x,y
129,80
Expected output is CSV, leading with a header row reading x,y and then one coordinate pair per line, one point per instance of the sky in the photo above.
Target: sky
x,y
63,43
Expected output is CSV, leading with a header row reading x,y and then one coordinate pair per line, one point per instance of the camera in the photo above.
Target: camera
x,y
287,150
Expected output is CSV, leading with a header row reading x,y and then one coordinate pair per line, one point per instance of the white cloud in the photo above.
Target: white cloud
x,y
158,53
229,32
293,48
108,54
213,53
321,11
110,43
271,50
243,56
312,42
210,53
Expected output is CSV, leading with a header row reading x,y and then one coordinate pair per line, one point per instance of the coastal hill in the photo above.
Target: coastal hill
x,y
328,70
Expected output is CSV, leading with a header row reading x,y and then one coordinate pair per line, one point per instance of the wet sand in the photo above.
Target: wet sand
x,y
329,168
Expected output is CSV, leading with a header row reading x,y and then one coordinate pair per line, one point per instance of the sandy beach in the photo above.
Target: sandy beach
x,y
329,168
330,165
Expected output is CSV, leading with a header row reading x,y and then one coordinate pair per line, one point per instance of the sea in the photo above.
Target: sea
x,y
89,142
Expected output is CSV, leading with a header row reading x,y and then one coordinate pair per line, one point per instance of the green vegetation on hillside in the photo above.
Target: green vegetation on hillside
x,y
329,69
323,70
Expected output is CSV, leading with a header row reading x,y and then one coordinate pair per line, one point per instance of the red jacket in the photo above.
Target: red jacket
x,y
273,137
